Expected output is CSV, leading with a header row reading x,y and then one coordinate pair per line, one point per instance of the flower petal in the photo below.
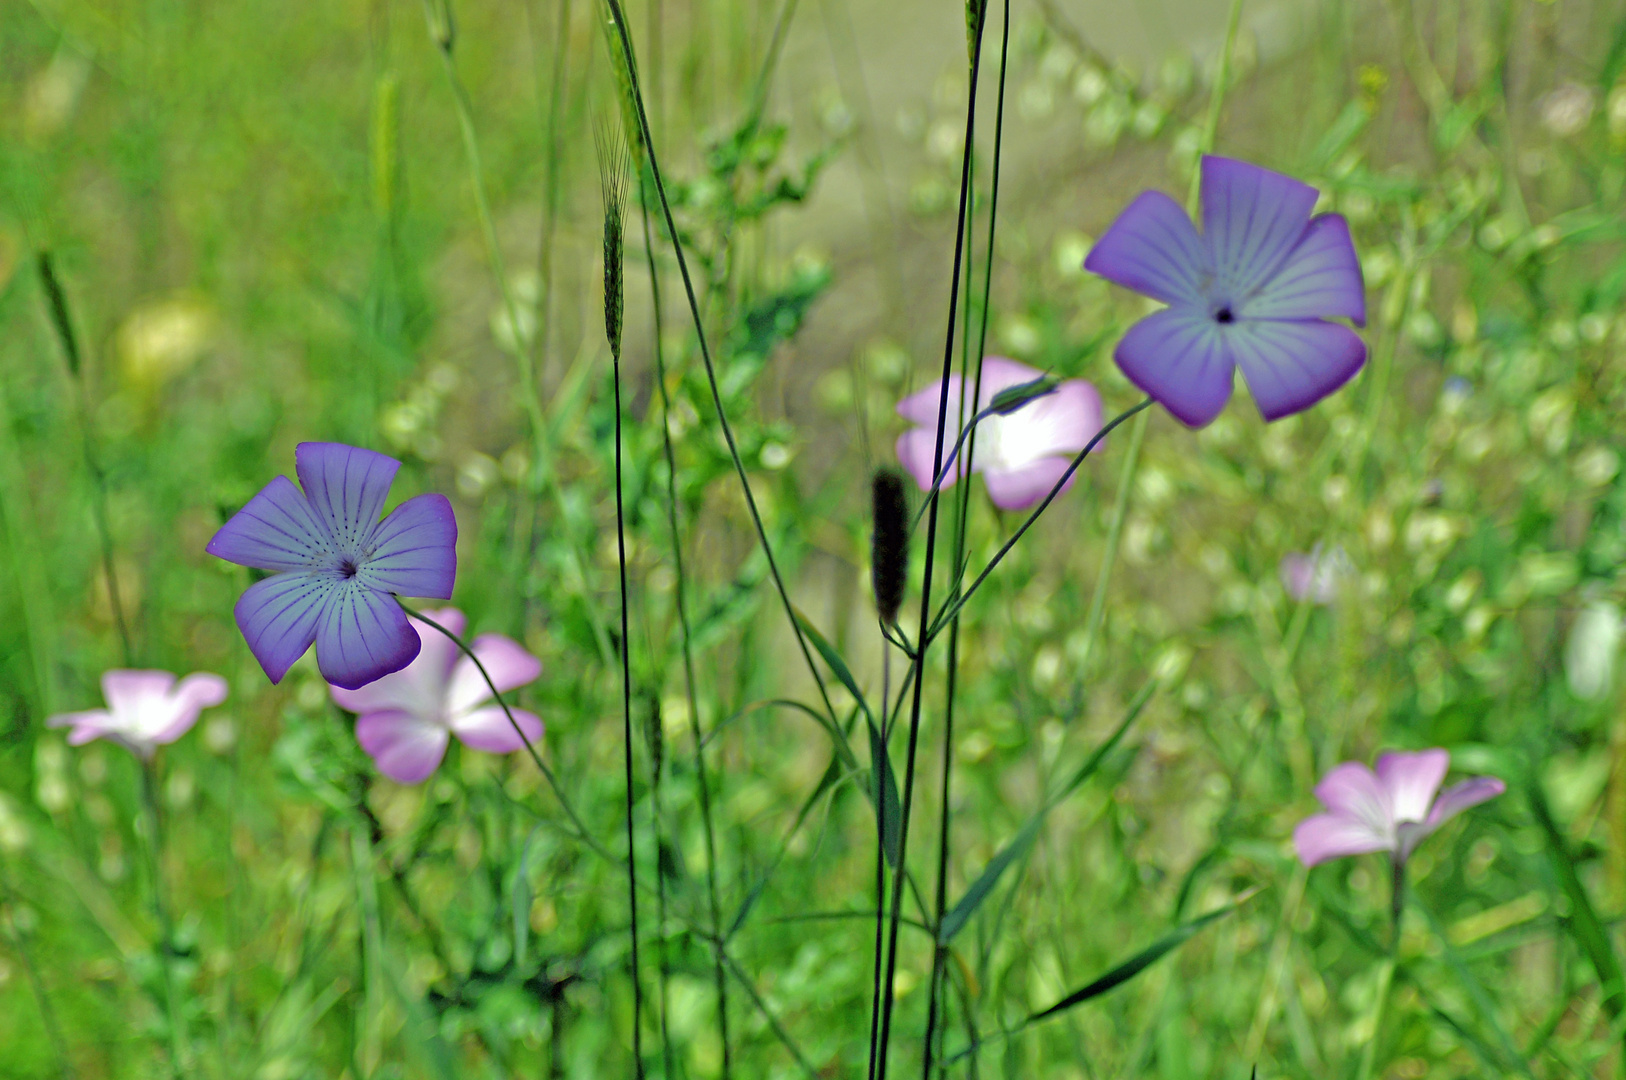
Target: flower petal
x,y
999,373
921,407
1018,489
87,725
488,729
1252,219
1154,249
505,660
1459,797
128,693
1059,424
415,549
1179,357
362,635
418,688
1320,279
405,748
1410,781
1291,365
191,696
346,487
917,449
1353,792
1333,836
275,530
278,618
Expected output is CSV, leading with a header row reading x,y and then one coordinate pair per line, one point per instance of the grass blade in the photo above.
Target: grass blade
x,y
1140,961
968,904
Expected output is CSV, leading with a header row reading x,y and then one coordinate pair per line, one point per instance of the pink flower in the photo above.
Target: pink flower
x,y
404,719
1316,575
145,709
1391,810
1022,454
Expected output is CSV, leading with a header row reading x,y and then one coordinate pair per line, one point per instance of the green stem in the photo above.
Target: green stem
x,y
166,929
702,782
625,39
530,748
1386,974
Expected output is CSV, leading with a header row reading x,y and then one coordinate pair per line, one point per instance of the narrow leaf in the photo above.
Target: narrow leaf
x,y
1141,960
838,666
960,914
1584,924
1093,762
884,793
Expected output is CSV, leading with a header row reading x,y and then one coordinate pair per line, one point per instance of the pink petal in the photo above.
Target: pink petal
x,y
1060,424
1019,489
488,729
129,692
406,748
999,373
1153,249
1458,797
1333,836
420,687
1410,781
917,452
1351,791
88,725
192,695
505,660
921,407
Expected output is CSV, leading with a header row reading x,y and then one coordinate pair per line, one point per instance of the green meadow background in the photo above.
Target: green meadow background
x,y
277,223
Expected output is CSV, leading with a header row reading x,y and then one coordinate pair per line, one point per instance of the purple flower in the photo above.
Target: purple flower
x,y
145,709
1254,291
336,567
405,717
1020,455
1391,810
1315,575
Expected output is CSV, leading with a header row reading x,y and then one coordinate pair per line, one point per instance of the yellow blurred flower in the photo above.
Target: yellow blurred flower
x,y
159,340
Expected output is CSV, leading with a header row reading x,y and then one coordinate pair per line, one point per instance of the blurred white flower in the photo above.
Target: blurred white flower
x,y
1316,575
1565,111
1589,655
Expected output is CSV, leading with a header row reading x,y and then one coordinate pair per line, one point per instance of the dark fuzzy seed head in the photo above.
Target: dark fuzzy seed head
x,y
889,543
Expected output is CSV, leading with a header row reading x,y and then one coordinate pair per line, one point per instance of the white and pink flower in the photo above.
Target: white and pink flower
x,y
406,719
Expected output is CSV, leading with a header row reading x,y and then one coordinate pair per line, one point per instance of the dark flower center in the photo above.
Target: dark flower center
x,y
347,568
1224,314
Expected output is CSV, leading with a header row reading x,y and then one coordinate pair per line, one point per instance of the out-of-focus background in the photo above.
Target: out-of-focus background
x,y
283,223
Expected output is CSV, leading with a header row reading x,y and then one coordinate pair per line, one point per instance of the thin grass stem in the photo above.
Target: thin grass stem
x,y
530,747
702,782
160,906
940,952
625,40
888,998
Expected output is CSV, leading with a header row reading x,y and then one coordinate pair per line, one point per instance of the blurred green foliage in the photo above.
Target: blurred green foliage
x,y
265,230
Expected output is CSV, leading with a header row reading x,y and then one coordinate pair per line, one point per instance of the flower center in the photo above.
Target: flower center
x,y
347,568
1224,315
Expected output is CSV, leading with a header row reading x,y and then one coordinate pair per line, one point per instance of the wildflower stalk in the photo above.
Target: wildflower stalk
x,y
62,321
952,607
530,747
1386,974
613,167
702,782
887,999
160,907
940,951
622,35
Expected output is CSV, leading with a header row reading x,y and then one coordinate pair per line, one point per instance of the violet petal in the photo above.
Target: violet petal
x,y
1291,365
